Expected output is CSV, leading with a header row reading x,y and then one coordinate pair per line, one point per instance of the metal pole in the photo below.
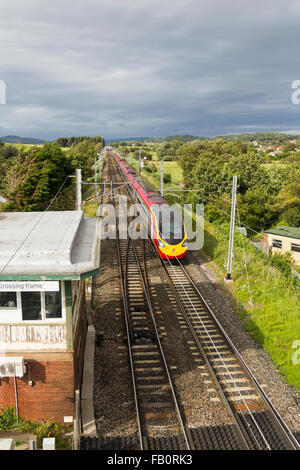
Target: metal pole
x,y
232,221
16,393
77,421
96,189
78,190
140,162
162,177
100,164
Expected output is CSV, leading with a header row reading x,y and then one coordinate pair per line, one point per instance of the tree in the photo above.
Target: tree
x,y
8,151
254,208
83,156
33,178
248,168
287,202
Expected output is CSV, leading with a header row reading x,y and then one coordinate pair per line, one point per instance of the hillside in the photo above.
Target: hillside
x,y
14,139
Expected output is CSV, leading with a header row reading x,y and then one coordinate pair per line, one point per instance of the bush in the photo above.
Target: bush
x,y
54,430
8,421
8,418
283,261
167,178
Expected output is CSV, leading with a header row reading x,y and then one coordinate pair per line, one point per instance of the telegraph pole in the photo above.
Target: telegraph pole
x,y
78,190
140,162
232,222
161,177
100,165
96,189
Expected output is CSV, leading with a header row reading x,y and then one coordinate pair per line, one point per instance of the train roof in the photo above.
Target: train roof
x,y
152,196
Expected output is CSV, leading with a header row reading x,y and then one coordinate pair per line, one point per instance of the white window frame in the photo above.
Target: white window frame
x,y
11,308
18,317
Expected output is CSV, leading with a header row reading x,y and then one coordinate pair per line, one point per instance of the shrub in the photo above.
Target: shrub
x,y
8,418
283,261
167,178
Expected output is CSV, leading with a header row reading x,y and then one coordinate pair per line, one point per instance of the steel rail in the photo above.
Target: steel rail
x,y
148,298
284,428
144,281
213,375
126,315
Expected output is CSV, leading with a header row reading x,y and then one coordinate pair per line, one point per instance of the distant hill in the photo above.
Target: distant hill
x,y
127,139
260,137
182,138
14,139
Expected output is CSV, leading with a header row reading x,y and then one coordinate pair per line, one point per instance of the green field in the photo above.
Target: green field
x,y
29,146
154,178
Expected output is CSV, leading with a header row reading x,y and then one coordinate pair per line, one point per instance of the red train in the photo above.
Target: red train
x,y
167,228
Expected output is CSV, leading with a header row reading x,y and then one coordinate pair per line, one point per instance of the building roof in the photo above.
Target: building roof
x,y
48,245
284,231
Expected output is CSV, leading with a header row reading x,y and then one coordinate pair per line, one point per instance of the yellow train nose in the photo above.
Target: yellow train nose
x,y
173,250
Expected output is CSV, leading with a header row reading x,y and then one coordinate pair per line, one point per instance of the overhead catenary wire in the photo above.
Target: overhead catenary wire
x,y
218,208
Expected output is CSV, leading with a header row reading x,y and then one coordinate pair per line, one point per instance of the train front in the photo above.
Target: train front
x,y
170,234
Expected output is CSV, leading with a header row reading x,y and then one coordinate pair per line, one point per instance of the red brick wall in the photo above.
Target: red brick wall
x,y
52,395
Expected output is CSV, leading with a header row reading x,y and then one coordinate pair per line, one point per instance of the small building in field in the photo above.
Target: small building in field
x,y
45,259
282,239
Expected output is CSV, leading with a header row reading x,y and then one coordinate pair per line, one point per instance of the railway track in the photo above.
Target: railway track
x,y
255,422
259,425
156,404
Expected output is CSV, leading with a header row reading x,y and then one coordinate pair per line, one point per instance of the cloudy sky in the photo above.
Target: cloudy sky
x,y
148,68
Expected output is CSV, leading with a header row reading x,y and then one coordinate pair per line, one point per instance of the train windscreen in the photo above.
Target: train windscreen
x,y
170,224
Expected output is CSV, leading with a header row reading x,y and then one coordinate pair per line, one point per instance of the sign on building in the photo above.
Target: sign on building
x,y
29,286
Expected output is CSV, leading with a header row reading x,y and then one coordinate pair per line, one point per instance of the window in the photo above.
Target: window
x,y
31,306
170,224
8,300
276,243
53,305
295,247
41,305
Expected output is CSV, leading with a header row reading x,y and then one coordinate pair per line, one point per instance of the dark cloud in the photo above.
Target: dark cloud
x,y
122,67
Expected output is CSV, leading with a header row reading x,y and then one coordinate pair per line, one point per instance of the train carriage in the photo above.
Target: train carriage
x,y
167,228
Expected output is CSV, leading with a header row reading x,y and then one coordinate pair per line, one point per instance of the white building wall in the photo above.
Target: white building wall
x,y
19,335
286,246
